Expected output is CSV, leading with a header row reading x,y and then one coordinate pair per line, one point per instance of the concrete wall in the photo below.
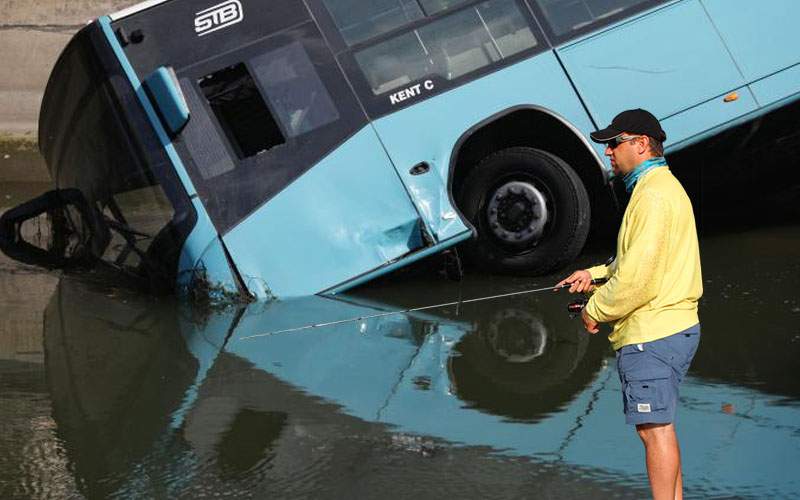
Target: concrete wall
x,y
32,35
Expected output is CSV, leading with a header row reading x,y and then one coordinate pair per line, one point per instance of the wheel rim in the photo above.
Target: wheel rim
x,y
517,214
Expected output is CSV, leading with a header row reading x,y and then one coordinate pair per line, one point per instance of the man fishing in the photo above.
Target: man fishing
x,y
651,293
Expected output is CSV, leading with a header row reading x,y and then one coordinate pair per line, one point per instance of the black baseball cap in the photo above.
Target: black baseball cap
x,y
635,121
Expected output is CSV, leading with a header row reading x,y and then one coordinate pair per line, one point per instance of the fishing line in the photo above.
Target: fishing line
x,y
389,313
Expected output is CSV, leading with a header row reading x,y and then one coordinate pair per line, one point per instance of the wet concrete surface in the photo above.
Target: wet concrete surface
x,y
105,392
32,35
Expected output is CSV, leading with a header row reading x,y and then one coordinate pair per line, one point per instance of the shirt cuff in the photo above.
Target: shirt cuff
x,y
591,311
598,272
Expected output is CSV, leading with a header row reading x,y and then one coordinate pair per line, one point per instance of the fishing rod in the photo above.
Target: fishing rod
x,y
415,309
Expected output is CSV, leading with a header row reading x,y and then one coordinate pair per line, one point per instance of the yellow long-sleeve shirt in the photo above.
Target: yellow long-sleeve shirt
x,y
654,282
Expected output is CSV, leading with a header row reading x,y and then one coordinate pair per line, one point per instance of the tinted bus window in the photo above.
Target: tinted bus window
x,y
449,47
293,88
565,16
358,20
135,218
434,6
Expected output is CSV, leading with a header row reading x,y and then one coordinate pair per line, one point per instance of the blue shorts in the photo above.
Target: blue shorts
x,y
650,374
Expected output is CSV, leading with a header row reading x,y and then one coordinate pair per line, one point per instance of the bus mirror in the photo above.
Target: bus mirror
x,y
165,93
78,235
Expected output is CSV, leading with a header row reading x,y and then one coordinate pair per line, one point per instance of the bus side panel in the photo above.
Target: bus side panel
x,y
685,128
666,61
345,217
193,257
783,86
764,41
428,131
211,271
763,38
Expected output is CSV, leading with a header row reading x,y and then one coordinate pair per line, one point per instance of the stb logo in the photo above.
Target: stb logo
x,y
218,17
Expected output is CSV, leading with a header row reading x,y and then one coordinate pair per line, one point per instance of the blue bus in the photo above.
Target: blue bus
x,y
289,148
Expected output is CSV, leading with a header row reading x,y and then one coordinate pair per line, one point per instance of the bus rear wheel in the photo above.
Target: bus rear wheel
x,y
530,209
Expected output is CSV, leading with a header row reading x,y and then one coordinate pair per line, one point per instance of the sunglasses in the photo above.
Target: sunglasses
x,y
616,141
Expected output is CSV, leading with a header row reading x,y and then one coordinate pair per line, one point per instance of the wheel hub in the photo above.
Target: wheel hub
x,y
517,213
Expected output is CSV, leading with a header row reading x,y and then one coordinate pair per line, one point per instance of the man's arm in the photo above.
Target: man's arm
x,y
639,272
602,271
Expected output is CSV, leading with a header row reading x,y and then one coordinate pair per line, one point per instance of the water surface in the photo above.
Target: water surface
x,y
105,392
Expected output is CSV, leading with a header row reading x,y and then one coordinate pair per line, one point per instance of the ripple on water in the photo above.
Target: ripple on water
x,y
33,459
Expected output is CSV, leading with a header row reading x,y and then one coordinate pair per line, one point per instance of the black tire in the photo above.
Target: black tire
x,y
526,238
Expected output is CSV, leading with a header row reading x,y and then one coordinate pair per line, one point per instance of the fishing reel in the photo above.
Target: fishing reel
x,y
576,307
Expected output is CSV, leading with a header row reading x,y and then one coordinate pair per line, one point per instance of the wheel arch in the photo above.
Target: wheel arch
x,y
538,127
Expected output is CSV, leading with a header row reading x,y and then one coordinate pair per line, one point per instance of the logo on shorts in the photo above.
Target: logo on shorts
x,y
643,407
217,17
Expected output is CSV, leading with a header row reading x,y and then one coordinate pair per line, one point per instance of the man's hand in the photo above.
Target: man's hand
x,y
589,323
580,281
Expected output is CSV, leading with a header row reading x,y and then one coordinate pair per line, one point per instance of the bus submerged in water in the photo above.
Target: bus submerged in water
x,y
287,148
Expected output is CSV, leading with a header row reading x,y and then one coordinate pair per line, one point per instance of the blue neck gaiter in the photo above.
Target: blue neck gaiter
x,y
632,177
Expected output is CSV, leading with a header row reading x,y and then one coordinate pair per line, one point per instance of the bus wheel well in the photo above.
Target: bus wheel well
x,y
536,129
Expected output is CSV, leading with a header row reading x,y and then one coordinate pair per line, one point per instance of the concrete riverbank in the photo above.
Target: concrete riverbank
x,y
32,35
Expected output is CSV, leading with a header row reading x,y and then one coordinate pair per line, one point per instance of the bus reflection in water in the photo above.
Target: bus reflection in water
x,y
192,409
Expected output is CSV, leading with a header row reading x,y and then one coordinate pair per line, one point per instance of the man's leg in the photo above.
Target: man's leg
x,y
663,460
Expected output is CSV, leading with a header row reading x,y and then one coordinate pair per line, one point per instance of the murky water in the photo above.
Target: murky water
x,y
106,393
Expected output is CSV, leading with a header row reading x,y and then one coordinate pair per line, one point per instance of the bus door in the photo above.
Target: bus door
x,y
670,60
281,154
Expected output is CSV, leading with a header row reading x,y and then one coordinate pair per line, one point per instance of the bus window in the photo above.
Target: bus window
x,y
565,16
135,218
241,111
508,28
294,89
358,20
394,63
449,47
434,6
